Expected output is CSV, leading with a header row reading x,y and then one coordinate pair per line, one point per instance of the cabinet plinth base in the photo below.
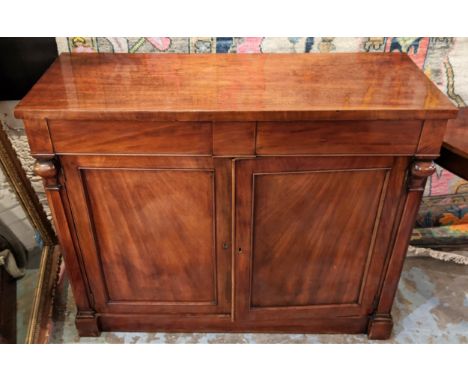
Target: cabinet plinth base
x,y
380,327
88,327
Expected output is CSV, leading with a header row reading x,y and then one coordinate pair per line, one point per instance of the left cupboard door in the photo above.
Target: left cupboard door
x,y
154,232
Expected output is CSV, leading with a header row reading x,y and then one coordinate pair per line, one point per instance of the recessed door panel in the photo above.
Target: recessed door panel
x,y
149,231
310,234
154,232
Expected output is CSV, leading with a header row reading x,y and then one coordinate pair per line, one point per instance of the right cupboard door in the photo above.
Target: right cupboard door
x,y
312,234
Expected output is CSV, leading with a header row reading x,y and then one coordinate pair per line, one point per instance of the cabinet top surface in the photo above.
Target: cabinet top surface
x,y
235,87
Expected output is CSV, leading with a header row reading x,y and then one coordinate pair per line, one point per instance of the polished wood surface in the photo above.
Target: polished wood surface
x,y
338,137
235,87
131,137
159,230
155,242
454,153
234,138
431,136
381,323
296,229
39,139
291,262
265,193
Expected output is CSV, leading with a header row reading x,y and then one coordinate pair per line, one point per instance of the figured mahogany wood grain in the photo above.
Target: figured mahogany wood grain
x,y
246,87
234,138
431,138
338,137
304,223
131,137
38,135
155,233
154,243
395,266
302,226
312,234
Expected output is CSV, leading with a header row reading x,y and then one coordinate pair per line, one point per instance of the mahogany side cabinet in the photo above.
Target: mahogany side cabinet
x,y
259,193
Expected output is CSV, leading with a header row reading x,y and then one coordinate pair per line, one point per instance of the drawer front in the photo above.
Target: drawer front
x,y
131,137
234,138
338,137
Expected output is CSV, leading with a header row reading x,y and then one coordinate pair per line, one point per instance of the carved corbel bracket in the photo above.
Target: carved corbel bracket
x,y
47,169
419,171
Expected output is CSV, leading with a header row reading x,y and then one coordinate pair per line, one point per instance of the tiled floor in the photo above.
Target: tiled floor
x,y
431,307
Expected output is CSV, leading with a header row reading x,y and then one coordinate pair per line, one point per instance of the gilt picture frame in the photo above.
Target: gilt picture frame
x,y
38,323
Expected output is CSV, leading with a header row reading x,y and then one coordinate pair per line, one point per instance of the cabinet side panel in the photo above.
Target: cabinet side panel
x,y
39,139
431,138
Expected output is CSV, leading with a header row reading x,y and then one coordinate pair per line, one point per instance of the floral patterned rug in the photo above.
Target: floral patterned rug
x,y
442,220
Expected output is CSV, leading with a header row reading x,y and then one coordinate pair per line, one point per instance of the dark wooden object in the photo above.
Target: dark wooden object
x,y
454,153
236,192
7,308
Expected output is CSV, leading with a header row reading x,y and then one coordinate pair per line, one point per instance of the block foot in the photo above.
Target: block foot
x,y
380,327
87,324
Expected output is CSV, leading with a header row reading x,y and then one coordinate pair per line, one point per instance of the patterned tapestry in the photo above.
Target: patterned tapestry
x,y
443,59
